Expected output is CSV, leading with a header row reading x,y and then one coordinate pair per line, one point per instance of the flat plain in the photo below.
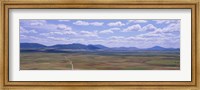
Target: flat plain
x,y
101,60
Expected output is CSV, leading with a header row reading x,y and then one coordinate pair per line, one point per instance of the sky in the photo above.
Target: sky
x,y
107,32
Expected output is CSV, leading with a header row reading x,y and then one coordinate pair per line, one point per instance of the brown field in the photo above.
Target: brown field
x,y
143,60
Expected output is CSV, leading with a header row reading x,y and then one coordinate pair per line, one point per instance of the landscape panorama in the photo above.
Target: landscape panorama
x,y
99,44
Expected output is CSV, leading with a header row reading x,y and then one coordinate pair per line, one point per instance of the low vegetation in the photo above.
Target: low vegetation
x,y
100,60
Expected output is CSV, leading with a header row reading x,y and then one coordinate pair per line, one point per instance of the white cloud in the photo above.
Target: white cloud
x,y
152,39
43,25
169,29
33,37
63,20
23,36
148,27
136,38
157,37
166,21
47,29
158,33
70,33
63,27
64,30
160,36
106,31
97,23
116,37
111,30
59,33
137,21
23,30
33,31
37,22
56,39
173,27
118,23
89,34
135,27
114,29
81,23
38,25
150,35
44,34
84,23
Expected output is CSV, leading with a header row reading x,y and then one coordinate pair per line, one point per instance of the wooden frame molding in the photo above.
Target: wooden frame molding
x,y
6,5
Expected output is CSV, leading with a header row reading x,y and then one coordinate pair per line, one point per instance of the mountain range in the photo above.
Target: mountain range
x,y
78,46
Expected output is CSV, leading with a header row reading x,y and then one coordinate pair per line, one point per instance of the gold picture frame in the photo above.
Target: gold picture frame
x,y
114,85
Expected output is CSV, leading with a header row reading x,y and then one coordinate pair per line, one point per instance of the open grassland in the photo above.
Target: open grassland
x,y
138,60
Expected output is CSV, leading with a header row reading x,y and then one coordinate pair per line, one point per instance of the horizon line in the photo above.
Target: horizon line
x,y
103,45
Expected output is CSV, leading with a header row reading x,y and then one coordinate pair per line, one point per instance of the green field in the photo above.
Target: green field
x,y
100,60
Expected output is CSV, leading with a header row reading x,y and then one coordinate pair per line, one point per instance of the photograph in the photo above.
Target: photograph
x,y
99,44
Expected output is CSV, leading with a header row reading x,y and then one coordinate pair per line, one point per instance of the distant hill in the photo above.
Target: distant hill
x,y
77,46
125,48
31,46
93,47
158,48
69,46
61,46
100,46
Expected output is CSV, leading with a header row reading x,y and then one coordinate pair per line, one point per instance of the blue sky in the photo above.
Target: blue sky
x,y
108,32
